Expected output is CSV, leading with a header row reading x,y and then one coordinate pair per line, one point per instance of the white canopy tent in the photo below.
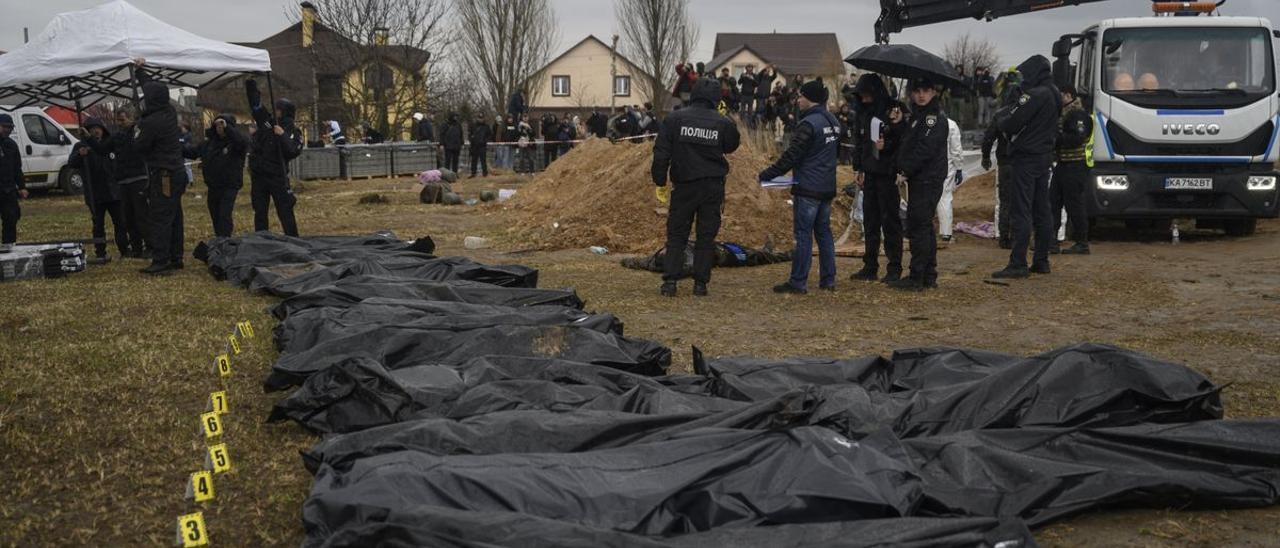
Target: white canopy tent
x,y
86,56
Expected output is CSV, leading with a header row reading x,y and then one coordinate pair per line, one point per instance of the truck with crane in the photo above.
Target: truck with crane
x,y
1184,101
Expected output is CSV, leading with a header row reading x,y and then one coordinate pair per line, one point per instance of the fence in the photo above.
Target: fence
x,y
402,159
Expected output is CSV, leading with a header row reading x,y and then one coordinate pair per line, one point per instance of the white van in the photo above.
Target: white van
x,y
45,147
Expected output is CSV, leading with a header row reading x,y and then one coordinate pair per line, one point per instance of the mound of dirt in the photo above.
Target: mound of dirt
x,y
602,194
975,200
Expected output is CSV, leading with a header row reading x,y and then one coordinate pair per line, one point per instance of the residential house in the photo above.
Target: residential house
x,y
581,80
804,55
333,77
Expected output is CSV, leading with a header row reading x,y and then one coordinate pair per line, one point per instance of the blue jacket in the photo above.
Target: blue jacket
x,y
811,156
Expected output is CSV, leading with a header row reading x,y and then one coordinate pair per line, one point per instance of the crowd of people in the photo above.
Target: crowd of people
x,y
1038,132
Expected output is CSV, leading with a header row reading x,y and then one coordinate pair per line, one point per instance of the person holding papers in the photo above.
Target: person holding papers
x,y
690,149
873,149
811,157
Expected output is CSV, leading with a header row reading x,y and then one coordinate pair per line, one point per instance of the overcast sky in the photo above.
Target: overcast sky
x,y
852,20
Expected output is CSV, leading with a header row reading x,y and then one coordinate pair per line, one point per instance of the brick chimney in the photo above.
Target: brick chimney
x,y
309,16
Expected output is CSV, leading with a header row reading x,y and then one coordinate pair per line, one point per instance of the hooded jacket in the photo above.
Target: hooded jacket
x,y
269,154
1074,131
693,141
222,156
10,167
96,168
865,156
423,131
922,156
481,134
1032,124
158,134
127,165
451,137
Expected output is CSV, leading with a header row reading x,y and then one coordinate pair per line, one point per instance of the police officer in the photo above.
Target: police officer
x,y
222,157
811,158
129,171
274,142
1075,132
874,163
11,185
1010,90
922,160
103,193
1032,128
158,141
691,149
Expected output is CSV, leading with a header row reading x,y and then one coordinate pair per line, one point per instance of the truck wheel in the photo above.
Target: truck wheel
x,y
1243,227
71,181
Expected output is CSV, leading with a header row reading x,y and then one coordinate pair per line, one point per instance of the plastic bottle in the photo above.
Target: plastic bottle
x,y
599,249
1175,234
475,242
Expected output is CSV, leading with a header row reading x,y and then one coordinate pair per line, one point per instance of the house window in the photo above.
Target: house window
x,y
330,88
621,86
560,86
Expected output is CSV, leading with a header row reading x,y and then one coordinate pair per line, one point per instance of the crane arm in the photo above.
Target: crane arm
x,y
897,15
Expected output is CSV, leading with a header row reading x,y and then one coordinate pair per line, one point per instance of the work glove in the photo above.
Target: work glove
x,y
986,163
663,193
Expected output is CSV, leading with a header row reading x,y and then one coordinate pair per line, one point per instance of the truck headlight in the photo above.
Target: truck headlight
x,y
1113,182
1262,182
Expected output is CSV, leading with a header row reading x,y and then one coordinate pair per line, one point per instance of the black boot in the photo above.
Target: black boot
x,y
908,284
156,268
892,276
699,289
785,287
668,289
867,274
1010,272
1041,268
1080,248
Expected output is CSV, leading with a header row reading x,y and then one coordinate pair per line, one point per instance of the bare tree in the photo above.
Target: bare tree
x,y
971,53
388,48
656,34
506,42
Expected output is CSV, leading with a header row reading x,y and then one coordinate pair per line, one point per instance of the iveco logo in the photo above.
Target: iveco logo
x,y
1192,129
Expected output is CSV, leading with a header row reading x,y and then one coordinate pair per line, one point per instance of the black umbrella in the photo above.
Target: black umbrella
x,y
905,61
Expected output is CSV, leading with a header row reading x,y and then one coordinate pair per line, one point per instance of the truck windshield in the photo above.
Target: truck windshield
x,y
1187,62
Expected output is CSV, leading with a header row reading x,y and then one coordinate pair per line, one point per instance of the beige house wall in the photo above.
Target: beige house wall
x,y
590,81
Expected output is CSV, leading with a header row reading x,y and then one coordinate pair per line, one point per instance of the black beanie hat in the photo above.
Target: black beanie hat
x,y
814,91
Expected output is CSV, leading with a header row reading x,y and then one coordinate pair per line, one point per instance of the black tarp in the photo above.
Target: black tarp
x,y
359,393
697,482
348,291
287,280
285,266
916,393
232,258
728,255
693,482
396,347
308,328
443,527
472,414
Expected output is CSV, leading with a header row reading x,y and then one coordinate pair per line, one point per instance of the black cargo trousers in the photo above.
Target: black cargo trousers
x,y
265,189
700,200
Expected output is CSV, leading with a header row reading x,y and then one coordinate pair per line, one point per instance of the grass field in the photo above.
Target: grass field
x,y
103,374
